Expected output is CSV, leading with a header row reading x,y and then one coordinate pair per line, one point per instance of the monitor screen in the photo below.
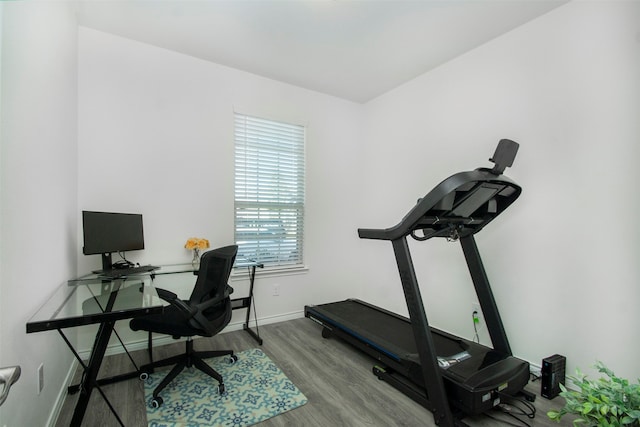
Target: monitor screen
x,y
106,232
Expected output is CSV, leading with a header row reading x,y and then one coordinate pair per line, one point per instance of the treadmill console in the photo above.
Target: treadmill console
x,y
461,204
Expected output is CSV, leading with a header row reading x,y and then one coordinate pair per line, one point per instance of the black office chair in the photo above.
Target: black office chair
x,y
205,313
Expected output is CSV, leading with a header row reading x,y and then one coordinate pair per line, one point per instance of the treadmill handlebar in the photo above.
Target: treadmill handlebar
x,y
372,233
470,199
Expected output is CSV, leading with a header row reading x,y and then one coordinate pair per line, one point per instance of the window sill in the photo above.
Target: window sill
x,y
243,273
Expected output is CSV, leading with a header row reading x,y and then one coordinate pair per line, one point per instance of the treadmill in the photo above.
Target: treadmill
x,y
451,376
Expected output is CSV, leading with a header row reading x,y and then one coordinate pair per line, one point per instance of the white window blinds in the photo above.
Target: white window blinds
x,y
269,191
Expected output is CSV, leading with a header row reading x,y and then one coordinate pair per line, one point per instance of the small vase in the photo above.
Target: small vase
x,y
195,262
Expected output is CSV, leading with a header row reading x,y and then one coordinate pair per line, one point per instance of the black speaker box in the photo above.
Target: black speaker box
x,y
553,374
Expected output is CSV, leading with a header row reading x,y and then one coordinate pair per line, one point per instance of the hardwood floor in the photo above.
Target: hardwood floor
x,y
336,379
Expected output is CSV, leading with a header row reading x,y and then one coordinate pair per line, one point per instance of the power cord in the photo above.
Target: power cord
x,y
124,262
476,322
510,406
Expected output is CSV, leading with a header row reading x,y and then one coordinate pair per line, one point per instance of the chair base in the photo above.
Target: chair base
x,y
188,359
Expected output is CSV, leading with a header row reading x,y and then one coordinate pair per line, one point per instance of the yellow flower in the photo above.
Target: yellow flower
x,y
196,243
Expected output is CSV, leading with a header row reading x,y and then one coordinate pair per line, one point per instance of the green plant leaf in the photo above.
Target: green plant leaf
x,y
609,401
586,407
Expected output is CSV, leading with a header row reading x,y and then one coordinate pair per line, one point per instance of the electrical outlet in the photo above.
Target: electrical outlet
x,y
40,377
276,290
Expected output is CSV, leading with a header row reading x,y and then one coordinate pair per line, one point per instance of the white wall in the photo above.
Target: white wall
x,y
156,137
563,259
38,207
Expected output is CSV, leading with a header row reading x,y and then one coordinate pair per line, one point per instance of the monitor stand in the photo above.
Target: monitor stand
x,y
107,265
106,262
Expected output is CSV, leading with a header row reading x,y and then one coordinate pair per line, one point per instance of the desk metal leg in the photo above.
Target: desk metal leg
x,y
72,389
253,334
90,373
249,301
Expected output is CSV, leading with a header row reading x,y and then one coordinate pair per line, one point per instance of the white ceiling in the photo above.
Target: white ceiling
x,y
355,50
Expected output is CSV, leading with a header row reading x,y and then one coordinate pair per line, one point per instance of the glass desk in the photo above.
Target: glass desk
x,y
95,300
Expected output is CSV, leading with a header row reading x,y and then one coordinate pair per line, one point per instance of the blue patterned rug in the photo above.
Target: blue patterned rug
x,y
256,389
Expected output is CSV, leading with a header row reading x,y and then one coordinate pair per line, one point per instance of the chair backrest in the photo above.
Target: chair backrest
x,y
215,269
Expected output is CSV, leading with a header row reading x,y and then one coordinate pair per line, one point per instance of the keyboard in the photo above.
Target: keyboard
x,y
123,272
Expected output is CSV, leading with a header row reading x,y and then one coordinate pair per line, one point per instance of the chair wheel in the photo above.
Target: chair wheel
x,y
144,376
221,389
233,359
156,402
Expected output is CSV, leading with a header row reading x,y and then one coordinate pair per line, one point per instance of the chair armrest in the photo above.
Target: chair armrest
x,y
166,295
198,320
228,290
173,299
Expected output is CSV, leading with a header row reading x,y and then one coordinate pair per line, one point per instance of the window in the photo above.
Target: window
x,y
269,191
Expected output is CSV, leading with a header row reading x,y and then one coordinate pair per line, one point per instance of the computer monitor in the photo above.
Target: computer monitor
x,y
108,232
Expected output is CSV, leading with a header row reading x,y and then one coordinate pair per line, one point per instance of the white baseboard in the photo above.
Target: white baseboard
x,y
62,395
535,369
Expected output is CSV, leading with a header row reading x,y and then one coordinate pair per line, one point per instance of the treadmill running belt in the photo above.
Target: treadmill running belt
x,y
391,332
